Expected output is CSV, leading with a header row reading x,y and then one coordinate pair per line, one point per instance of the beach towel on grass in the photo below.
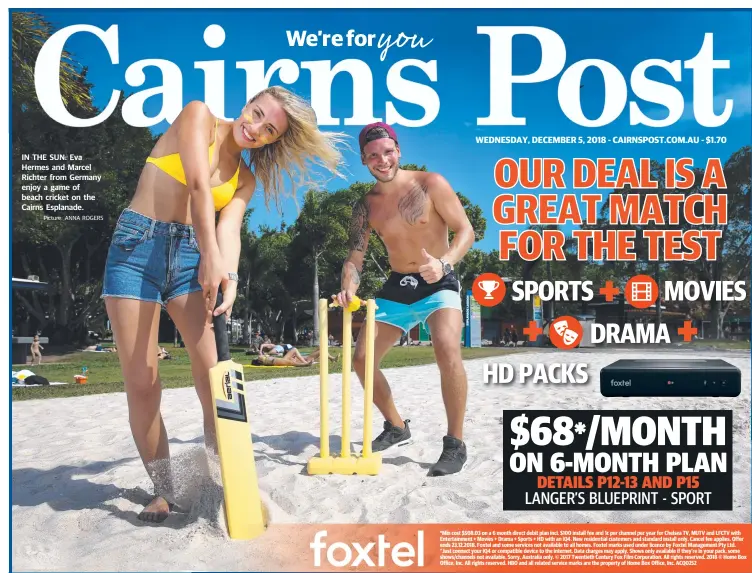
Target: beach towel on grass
x,y
23,374
23,385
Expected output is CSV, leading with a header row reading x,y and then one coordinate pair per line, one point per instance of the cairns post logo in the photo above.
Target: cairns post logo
x,y
373,554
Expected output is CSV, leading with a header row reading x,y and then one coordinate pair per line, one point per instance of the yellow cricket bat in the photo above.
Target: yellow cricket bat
x,y
243,510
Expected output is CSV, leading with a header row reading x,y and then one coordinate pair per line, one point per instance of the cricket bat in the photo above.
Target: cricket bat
x,y
243,509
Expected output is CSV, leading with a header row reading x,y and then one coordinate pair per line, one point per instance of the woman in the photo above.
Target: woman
x,y
292,358
272,349
168,252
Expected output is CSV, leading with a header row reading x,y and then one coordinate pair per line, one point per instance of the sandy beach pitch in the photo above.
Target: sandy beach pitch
x,y
78,483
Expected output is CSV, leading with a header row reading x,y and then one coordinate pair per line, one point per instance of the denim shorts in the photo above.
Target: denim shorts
x,y
150,260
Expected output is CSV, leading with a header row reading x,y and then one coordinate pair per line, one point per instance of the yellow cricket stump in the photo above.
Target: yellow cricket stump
x,y
367,463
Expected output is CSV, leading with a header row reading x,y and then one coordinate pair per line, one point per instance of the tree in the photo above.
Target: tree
x,y
319,245
69,255
734,248
265,294
29,32
274,303
253,271
735,245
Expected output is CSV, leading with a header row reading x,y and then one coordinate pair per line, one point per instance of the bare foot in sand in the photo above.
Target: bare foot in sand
x,y
157,511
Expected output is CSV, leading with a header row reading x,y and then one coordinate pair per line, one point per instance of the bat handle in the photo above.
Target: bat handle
x,y
220,333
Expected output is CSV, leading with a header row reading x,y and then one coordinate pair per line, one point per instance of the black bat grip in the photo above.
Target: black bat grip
x,y
220,333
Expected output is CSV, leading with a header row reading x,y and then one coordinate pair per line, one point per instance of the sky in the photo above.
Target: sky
x,y
447,145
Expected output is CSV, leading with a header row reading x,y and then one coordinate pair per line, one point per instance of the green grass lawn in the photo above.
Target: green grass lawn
x,y
105,375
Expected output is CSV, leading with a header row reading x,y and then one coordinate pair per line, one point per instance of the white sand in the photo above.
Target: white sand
x,y
78,482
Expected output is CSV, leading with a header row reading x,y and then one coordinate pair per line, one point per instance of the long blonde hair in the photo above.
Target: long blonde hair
x,y
300,148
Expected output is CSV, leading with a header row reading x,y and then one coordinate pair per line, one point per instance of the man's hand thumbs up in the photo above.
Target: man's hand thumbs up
x,y
430,270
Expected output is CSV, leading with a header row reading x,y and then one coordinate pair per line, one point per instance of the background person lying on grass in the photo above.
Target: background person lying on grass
x,y
292,358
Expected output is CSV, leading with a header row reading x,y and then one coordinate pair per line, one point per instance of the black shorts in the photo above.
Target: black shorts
x,y
407,300
410,288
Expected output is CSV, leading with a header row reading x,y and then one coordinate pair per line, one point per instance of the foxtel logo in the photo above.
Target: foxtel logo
x,y
340,554
621,382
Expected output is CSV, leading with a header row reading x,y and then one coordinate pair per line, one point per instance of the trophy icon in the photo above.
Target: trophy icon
x,y
488,287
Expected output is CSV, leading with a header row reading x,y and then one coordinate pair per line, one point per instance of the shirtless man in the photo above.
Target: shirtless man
x,y
412,212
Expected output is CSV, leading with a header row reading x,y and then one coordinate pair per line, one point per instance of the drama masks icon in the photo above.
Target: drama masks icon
x,y
567,335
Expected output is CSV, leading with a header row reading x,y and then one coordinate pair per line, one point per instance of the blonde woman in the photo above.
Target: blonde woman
x,y
178,244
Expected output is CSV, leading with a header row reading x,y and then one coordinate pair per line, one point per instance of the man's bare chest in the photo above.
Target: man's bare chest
x,y
408,211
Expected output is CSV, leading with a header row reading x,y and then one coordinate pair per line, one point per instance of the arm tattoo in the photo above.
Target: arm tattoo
x,y
359,226
411,205
350,274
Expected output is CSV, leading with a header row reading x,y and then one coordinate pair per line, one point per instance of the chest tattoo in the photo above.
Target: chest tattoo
x,y
411,206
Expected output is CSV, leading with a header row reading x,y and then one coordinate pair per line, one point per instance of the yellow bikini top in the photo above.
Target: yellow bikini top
x,y
172,165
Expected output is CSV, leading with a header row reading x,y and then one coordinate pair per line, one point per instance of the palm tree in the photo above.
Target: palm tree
x,y
253,268
322,217
29,31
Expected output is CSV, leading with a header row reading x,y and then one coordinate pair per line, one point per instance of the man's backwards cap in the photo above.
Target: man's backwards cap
x,y
374,131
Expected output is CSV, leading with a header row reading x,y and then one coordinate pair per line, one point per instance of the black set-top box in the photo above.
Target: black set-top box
x,y
671,378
